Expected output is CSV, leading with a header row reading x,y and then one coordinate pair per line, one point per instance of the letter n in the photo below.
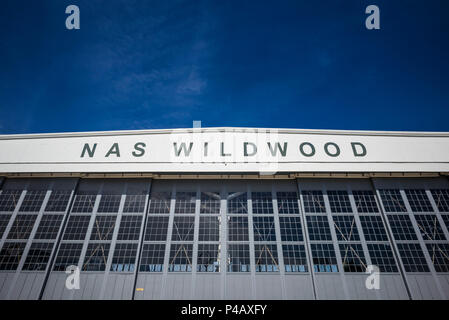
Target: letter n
x,y
89,151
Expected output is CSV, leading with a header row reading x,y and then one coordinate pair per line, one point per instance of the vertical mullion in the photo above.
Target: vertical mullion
x,y
223,240
274,203
168,241
251,241
196,223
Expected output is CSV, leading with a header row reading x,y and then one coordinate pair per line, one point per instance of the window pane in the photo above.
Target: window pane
x,y
287,203
157,228
439,253
76,228
4,220
237,203
365,201
346,228
238,258
68,254
294,258
152,257
418,200
160,202
210,202
318,228
339,201
353,258
185,202
324,259
429,227
266,256
38,256
22,226
441,197
264,229
373,228
382,257
402,227
9,199
209,229
33,201
313,201
10,255
208,258
183,228
84,202
134,203
96,257
58,201
238,229
291,229
103,228
109,203
392,200
262,202
49,226
412,257
180,258
124,258
129,228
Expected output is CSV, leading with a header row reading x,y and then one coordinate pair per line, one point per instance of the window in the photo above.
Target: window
x,y
22,226
103,228
9,199
382,257
38,256
49,226
365,201
124,258
429,227
238,258
318,227
373,228
418,200
69,254
262,202
294,258
4,220
287,203
291,229
84,202
402,227
208,258
129,228
264,229
152,257
445,218
313,201
160,202
33,201
439,254
266,256
183,228
210,202
346,228
441,197
58,201
209,229
392,200
324,259
76,228
339,201
109,203
412,257
180,257
134,203
238,229
10,255
157,228
353,258
96,257
237,203
185,202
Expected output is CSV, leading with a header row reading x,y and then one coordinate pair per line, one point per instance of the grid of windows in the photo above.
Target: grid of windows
x,y
49,226
266,257
22,226
313,201
156,229
237,203
160,202
339,201
392,200
401,227
262,202
318,228
109,203
68,254
294,258
9,200
33,201
210,202
180,257
439,254
373,228
323,257
134,203
185,202
4,220
96,257
209,229
10,255
382,257
129,228
429,227
103,228
183,228
346,228
365,201
152,257
412,257
238,229
287,203
264,229
124,259
208,258
445,218
76,228
238,258
441,197
353,258
291,229
38,257
418,200
84,202
58,201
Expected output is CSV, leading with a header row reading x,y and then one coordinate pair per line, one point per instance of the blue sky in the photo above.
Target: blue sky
x,y
281,64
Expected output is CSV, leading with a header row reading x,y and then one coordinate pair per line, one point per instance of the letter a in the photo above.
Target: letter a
x,y
72,21
373,20
73,280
